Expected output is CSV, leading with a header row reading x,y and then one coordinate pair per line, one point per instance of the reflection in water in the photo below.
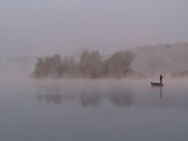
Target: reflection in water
x,y
158,91
161,92
91,100
87,95
52,94
121,97
117,93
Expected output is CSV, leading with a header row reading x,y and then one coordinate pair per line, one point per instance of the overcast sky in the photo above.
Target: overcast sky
x,y
40,27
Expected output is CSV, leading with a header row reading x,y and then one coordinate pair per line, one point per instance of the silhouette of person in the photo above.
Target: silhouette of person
x,y
161,79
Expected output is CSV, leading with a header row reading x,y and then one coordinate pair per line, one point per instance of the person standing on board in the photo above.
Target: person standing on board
x,y
161,79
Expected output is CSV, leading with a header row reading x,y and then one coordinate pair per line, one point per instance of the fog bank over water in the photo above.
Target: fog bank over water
x,y
106,101
16,67
168,59
161,58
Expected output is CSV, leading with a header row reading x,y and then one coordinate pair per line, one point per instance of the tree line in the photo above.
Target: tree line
x,y
90,65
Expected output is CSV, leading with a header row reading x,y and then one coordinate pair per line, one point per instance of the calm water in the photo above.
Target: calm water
x,y
92,110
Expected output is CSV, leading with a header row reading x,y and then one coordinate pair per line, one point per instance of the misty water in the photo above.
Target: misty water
x,y
92,110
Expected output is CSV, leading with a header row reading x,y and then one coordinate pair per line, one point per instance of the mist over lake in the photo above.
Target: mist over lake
x,y
93,70
90,109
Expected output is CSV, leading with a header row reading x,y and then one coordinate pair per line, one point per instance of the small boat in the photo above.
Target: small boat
x,y
156,84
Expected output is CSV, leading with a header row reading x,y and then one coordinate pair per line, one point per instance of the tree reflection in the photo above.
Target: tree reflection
x,y
87,96
121,97
50,94
90,100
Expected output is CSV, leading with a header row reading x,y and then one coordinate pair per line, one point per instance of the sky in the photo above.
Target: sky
x,y
42,27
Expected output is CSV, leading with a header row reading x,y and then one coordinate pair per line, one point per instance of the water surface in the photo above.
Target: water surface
x,y
92,110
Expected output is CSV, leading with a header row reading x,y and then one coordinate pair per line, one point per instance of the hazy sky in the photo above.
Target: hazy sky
x,y
40,27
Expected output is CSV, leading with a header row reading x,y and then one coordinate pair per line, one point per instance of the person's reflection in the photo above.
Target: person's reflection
x,y
161,92
157,91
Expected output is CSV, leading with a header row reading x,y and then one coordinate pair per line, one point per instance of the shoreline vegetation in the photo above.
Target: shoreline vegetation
x,y
89,65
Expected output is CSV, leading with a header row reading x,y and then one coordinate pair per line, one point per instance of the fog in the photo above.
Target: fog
x,y
98,48
153,30
42,27
161,58
170,60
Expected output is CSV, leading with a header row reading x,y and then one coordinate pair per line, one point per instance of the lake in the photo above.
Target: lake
x,y
92,110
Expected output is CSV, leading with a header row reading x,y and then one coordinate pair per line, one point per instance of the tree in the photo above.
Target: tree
x,y
91,64
49,66
39,68
119,63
